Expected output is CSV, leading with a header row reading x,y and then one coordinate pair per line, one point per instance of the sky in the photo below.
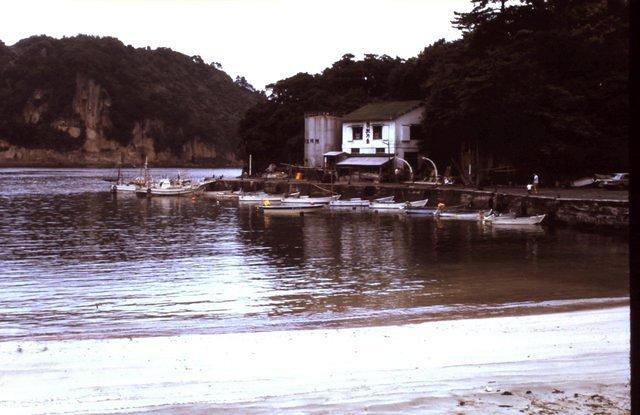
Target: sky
x,y
262,40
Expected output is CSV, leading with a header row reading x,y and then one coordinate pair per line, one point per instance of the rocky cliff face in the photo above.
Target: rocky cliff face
x,y
88,124
94,101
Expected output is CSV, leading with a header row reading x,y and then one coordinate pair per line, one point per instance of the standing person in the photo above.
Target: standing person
x,y
535,183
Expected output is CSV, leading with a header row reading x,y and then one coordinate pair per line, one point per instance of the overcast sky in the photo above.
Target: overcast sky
x,y
263,40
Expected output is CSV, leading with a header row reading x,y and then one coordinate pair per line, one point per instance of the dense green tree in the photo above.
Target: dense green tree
x,y
537,85
191,98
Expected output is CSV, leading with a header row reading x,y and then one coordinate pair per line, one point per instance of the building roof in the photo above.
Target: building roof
x,y
382,111
333,153
363,162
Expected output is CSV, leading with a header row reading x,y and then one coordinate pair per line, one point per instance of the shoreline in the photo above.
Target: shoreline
x,y
564,359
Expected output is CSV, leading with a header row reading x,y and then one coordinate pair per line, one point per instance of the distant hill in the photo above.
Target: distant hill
x,y
90,100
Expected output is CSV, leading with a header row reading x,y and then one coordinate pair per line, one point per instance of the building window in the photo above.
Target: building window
x,y
380,150
415,132
356,133
355,151
317,140
377,132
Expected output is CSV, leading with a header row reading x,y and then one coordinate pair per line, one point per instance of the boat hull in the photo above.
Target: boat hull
x,y
124,188
349,204
166,192
307,200
470,216
290,210
421,211
259,198
386,205
529,220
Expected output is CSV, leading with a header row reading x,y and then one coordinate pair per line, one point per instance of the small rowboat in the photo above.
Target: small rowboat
x,y
478,216
510,220
355,203
387,203
421,211
291,209
295,198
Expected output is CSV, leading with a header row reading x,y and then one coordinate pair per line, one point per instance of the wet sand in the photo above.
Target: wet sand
x,y
572,362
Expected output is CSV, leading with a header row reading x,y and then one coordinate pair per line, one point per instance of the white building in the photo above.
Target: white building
x,y
384,129
321,135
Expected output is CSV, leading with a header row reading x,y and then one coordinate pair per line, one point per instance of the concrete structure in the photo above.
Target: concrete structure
x,y
321,135
386,128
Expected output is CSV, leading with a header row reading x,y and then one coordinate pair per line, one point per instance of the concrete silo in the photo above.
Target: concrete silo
x,y
322,133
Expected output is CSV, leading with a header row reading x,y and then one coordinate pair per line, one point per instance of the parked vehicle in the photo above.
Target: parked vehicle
x,y
612,181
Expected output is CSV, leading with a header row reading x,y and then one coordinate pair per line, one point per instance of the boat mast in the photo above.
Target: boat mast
x,y
146,172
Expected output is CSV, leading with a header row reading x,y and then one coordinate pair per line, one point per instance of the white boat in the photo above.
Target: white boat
x,y
259,197
166,187
511,220
355,203
474,216
295,198
387,203
125,188
122,186
291,209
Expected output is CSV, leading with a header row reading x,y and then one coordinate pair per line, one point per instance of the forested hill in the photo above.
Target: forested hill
x,y
536,85
91,100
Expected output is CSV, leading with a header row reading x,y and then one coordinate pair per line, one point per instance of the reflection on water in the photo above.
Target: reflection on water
x,y
77,261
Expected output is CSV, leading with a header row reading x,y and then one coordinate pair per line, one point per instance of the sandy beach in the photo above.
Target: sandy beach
x,y
573,362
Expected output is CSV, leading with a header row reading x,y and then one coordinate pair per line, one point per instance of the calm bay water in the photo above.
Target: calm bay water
x,y
77,261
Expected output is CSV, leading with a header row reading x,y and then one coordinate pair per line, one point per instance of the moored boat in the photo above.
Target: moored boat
x,y
258,197
166,187
424,211
511,220
354,203
295,198
479,215
388,203
131,186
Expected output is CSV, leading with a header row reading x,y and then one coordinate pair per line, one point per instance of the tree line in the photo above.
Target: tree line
x,y
532,85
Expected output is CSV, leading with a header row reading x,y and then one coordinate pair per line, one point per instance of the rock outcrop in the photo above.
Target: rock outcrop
x,y
184,113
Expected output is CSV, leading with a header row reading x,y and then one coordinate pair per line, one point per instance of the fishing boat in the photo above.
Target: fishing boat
x,y
131,186
167,187
259,197
512,220
479,215
355,203
295,198
298,209
388,203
